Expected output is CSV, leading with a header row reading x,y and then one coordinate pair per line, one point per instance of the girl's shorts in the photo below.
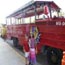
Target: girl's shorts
x,y
26,54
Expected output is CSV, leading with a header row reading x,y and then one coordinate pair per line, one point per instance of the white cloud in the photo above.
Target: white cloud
x,y
9,6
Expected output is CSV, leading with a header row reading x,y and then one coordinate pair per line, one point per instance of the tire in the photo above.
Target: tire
x,y
15,42
54,56
44,50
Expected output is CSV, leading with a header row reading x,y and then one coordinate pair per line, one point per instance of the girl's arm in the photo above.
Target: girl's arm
x,y
29,43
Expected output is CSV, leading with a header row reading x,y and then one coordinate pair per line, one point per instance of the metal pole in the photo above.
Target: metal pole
x,y
50,10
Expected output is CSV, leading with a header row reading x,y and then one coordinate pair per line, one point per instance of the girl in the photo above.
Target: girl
x,y
26,49
32,50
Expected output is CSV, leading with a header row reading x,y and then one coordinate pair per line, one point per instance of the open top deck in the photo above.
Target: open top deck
x,y
34,8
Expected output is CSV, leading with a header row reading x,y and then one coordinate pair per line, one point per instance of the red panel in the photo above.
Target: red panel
x,y
51,34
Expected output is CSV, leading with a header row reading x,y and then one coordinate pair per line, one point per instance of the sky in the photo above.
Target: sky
x,y
9,6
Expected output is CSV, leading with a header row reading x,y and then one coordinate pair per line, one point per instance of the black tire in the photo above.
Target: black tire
x,y
15,42
44,50
54,56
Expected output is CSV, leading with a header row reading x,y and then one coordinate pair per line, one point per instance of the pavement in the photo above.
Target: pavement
x,y
8,56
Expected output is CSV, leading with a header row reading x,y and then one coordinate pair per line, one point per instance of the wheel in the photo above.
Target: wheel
x,y
54,56
44,50
15,42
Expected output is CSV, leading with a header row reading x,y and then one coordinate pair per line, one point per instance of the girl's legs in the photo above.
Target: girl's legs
x,y
33,56
26,58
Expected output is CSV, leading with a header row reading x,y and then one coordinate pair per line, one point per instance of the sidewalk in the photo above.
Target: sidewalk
x,y
8,56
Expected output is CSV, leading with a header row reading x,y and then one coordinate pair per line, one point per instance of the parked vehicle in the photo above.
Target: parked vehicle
x,y
3,31
38,18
